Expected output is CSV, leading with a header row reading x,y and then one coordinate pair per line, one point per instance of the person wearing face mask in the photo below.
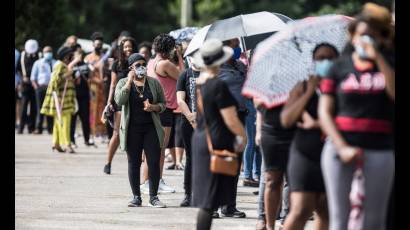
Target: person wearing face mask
x,y
304,172
142,99
96,86
233,73
356,111
119,71
186,97
166,72
60,98
40,77
24,67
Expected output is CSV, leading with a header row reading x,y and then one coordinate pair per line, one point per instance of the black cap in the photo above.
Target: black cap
x,y
97,36
64,51
135,57
125,33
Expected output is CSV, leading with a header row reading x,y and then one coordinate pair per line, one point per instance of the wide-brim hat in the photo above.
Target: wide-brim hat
x,y
212,53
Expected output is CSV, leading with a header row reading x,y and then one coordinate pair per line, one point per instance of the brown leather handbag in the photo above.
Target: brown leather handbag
x,y
222,161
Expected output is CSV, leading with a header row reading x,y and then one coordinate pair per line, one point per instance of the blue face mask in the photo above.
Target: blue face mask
x,y
48,56
236,53
322,67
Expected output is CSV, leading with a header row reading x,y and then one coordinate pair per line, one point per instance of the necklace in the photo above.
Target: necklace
x,y
141,93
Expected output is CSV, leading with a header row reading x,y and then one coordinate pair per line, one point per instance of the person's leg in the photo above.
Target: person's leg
x,y
337,177
134,149
72,127
39,121
322,213
249,152
65,130
152,157
33,111
273,193
172,152
84,113
302,206
56,132
187,131
377,193
179,153
23,115
167,135
257,162
284,209
115,139
204,219
261,203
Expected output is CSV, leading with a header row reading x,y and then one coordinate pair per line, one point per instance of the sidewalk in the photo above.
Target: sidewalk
x,y
70,191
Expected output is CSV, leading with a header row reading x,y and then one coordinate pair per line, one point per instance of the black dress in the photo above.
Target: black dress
x,y
212,190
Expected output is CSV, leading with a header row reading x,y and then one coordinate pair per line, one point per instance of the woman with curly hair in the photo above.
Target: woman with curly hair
x,y
119,71
167,73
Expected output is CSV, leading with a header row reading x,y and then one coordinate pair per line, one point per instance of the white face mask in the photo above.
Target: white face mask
x,y
140,72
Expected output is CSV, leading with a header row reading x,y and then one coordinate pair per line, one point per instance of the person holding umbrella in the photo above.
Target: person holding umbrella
x,y
356,111
304,172
60,98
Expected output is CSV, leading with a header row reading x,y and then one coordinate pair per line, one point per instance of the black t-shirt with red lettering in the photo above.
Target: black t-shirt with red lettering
x,y
363,110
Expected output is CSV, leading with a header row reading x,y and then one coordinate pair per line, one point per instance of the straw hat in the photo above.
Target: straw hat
x,y
212,53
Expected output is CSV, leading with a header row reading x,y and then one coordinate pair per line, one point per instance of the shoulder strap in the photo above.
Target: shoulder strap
x,y
155,68
23,67
201,111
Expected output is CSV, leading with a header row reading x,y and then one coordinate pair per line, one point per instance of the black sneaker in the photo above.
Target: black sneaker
x,y
171,167
136,202
156,203
215,214
233,213
186,202
107,168
249,182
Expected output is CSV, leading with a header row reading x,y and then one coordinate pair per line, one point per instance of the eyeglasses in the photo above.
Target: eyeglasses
x,y
139,65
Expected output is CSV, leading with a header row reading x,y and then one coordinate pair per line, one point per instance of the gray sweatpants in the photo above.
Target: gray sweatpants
x,y
378,175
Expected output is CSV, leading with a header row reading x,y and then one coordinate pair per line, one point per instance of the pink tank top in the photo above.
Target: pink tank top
x,y
169,85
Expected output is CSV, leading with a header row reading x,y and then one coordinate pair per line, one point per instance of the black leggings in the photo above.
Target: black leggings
x,y
143,137
186,132
84,114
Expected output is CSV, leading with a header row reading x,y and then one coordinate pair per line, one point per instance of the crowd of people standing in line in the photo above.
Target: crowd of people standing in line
x,y
147,98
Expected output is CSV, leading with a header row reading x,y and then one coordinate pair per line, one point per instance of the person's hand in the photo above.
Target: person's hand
x,y
307,122
312,84
25,79
240,143
297,90
131,76
191,117
348,154
147,106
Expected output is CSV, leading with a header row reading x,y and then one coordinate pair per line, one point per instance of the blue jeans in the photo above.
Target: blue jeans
x,y
252,158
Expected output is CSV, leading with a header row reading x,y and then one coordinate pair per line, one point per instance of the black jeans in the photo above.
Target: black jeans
x,y
28,99
84,113
40,95
187,132
143,137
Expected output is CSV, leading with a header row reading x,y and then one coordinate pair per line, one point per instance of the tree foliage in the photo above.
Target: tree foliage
x,y
51,21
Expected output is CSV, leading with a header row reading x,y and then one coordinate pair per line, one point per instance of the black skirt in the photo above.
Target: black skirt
x,y
209,190
304,173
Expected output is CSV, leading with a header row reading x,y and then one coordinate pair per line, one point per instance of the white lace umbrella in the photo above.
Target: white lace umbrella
x,y
285,58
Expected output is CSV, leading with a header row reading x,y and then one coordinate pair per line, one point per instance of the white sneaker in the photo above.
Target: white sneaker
x,y
144,188
163,188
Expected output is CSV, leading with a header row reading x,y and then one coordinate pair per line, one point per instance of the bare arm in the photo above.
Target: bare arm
x,y
114,82
183,106
170,69
326,110
258,135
